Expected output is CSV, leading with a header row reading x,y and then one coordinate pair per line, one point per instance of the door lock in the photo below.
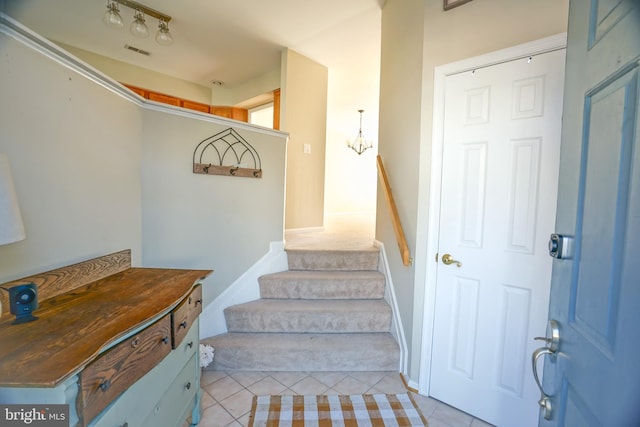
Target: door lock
x,y
552,344
560,246
448,260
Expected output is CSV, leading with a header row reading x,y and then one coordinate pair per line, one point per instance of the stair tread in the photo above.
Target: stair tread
x,y
327,312
307,284
324,275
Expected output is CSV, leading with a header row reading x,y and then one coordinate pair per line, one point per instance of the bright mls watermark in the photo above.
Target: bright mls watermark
x,y
34,415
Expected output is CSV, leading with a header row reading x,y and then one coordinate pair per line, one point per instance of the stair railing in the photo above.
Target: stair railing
x,y
393,212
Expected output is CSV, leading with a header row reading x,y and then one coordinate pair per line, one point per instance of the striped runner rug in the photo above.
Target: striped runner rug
x,y
372,410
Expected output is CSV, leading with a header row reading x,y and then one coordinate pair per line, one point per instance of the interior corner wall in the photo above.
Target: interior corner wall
x,y
399,140
475,28
75,154
304,117
211,222
236,94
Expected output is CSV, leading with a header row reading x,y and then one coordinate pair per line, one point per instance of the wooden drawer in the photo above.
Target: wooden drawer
x,y
119,367
178,397
185,314
137,404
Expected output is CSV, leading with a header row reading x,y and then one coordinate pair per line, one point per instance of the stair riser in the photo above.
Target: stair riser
x,y
333,260
308,322
354,289
229,360
304,352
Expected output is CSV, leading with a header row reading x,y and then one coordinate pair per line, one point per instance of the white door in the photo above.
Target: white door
x,y
595,295
499,182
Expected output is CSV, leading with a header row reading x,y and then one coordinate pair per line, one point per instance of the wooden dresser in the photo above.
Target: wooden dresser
x,y
118,344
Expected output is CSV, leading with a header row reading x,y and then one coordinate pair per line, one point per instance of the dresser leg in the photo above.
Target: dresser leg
x,y
195,414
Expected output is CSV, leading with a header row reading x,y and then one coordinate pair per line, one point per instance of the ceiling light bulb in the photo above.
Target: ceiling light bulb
x,y
163,36
138,27
112,16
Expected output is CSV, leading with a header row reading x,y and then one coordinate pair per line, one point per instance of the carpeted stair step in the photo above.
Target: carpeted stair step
x,y
315,316
322,285
304,352
305,259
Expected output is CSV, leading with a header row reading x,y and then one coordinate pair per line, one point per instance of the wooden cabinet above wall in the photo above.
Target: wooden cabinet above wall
x,y
234,113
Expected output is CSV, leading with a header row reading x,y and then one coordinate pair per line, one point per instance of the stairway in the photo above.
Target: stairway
x,y
325,313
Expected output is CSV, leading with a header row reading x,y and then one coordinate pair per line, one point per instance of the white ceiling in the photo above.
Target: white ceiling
x,y
228,40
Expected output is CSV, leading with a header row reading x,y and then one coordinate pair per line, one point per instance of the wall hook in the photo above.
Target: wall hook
x,y
232,156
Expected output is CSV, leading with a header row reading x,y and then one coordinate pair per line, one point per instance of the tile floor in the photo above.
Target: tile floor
x,y
227,396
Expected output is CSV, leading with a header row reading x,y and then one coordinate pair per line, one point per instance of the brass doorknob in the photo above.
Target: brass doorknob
x,y
448,260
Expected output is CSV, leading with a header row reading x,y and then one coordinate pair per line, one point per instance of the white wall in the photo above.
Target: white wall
x,y
74,148
213,222
354,84
96,171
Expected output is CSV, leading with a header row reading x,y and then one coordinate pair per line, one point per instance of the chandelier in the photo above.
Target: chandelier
x,y
138,28
359,145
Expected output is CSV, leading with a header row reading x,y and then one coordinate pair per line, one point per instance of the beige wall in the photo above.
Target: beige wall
x,y
304,116
149,79
410,46
399,133
142,77
267,82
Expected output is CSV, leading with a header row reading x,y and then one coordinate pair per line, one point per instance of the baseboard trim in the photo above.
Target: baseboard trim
x,y
244,289
390,297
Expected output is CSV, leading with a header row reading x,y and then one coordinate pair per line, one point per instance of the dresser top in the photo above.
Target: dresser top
x,y
73,328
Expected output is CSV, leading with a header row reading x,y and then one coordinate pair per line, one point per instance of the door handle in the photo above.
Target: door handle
x,y
448,260
552,344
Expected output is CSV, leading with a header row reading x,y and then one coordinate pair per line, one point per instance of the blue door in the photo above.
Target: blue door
x,y
593,377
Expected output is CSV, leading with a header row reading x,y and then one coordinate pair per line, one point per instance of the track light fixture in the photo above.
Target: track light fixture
x,y
112,16
138,28
163,36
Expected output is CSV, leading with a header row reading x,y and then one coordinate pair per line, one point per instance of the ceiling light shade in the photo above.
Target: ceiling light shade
x,y
163,36
112,16
359,145
138,28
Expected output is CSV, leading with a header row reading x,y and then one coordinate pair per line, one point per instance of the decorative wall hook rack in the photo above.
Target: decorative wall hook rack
x,y
227,153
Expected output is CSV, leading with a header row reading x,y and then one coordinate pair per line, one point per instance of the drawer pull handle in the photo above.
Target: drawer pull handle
x,y
135,342
165,340
189,300
104,385
198,301
183,325
190,344
188,386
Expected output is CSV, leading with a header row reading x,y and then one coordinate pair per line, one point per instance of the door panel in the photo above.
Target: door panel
x,y
500,166
595,378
